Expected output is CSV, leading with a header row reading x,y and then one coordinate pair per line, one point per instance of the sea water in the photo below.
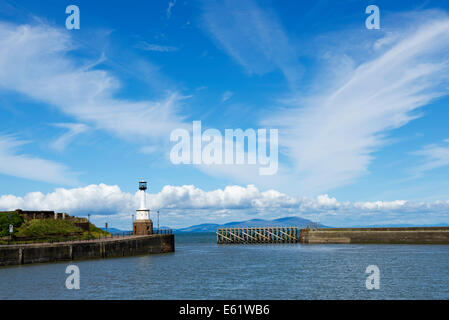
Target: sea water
x,y
201,269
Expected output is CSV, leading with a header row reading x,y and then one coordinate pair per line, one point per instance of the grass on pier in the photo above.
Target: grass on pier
x,y
96,232
40,228
44,230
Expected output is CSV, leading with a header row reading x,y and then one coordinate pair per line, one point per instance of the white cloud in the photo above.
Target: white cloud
x,y
252,36
188,205
86,94
388,39
30,167
381,205
374,85
171,5
90,199
155,47
74,129
331,135
190,197
435,156
226,96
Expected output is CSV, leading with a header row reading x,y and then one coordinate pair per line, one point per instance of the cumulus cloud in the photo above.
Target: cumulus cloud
x,y
381,205
187,205
31,167
90,199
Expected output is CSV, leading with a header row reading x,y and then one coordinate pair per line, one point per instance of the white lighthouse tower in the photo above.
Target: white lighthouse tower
x,y
142,213
143,224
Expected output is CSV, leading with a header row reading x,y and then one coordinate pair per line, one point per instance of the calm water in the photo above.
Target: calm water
x,y
200,269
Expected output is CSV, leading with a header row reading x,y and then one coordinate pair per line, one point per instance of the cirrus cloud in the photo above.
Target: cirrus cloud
x,y
331,135
85,93
31,167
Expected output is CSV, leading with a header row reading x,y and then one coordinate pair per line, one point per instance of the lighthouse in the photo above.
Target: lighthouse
x,y
143,224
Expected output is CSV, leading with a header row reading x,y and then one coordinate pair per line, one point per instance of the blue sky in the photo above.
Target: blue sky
x,y
361,114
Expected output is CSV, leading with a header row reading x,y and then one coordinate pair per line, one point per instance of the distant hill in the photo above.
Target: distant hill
x,y
259,223
255,223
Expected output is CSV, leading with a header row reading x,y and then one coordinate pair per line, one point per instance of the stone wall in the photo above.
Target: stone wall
x,y
29,215
142,227
415,235
80,250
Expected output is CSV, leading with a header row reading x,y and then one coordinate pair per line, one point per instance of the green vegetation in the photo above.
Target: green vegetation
x,y
41,228
46,230
7,218
95,232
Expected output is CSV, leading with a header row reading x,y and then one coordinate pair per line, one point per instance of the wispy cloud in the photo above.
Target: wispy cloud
x,y
143,45
74,129
252,36
435,156
86,94
331,135
30,167
226,96
171,5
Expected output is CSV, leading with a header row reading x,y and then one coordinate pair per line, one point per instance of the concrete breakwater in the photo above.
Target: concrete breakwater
x,y
80,250
414,235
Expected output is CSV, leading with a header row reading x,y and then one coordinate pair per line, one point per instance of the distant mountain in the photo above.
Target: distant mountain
x,y
281,222
255,223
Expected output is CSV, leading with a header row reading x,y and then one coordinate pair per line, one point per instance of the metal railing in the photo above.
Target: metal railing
x,y
163,231
117,235
73,238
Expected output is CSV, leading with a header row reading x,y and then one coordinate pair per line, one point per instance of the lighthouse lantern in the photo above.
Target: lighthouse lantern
x,y
143,185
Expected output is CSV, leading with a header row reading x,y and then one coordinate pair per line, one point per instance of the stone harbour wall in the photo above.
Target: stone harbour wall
x,y
415,235
80,250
